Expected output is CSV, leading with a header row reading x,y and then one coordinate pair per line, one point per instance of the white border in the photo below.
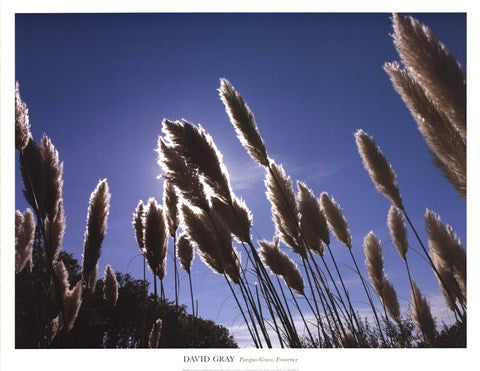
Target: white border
x,y
73,360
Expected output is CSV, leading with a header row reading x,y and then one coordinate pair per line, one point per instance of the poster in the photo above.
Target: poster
x,y
115,90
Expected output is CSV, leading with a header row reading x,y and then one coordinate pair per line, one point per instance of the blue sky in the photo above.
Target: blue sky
x,y
100,84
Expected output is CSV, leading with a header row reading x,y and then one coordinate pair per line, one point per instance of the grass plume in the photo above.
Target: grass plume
x,y
244,123
97,215
24,235
444,141
380,171
433,67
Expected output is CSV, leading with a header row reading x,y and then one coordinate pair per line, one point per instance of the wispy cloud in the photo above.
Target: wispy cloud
x,y
245,176
313,170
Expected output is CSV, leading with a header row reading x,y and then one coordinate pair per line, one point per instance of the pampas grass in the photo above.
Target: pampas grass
x,y
22,124
433,67
24,235
155,333
244,123
170,201
110,286
311,219
443,140
54,177
281,195
281,265
380,171
199,151
55,231
33,176
336,220
185,252
155,238
390,300
182,176
374,262
138,223
239,219
398,231
446,247
422,316
72,299
98,209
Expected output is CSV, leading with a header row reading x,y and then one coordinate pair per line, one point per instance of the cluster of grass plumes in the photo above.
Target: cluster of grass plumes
x,y
272,283
197,185
433,86
42,174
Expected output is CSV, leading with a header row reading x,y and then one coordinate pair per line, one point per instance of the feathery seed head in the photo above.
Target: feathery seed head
x,y
98,210
434,67
72,305
444,141
448,284
281,265
336,220
54,177
422,316
185,252
398,231
244,123
272,256
170,200
390,300
92,280
199,151
24,236
139,226
239,221
56,230
61,276
110,286
155,238
312,221
34,176
380,171
374,262
22,125
444,243
155,333
281,195
182,176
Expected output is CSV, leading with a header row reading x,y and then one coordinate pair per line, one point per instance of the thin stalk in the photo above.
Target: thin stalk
x,y
323,299
286,302
269,287
368,296
329,294
241,310
191,292
320,322
303,318
162,289
248,294
245,297
155,289
269,305
175,268
344,289
348,314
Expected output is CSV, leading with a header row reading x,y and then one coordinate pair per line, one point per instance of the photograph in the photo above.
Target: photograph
x,y
240,189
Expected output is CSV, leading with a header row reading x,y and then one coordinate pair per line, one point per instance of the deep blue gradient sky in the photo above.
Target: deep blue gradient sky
x,y
100,84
